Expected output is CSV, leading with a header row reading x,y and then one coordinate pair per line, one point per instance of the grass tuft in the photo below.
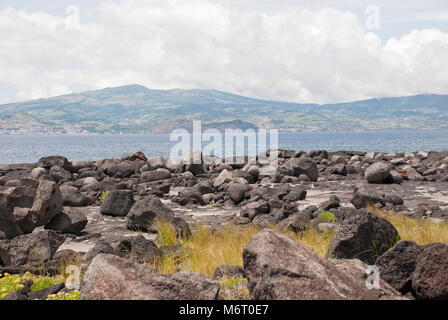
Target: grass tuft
x,y
421,231
103,196
327,215
209,248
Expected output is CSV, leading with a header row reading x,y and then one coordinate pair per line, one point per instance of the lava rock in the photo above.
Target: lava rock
x,y
364,236
397,265
279,268
70,220
110,277
117,203
430,281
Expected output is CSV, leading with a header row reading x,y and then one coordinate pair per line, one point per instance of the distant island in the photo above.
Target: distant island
x,y
137,109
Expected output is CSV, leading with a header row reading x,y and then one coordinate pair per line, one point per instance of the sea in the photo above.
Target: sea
x,y
30,148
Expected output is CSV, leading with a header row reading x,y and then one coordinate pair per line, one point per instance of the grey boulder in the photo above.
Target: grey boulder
x,y
110,277
364,236
280,268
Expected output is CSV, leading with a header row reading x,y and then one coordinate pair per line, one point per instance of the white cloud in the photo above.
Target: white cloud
x,y
319,55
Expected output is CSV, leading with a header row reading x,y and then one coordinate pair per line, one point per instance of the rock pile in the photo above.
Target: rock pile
x,y
105,214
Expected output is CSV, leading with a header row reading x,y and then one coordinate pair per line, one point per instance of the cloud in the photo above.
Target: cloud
x,y
320,55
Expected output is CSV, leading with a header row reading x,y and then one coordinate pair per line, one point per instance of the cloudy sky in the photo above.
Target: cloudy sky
x,y
301,51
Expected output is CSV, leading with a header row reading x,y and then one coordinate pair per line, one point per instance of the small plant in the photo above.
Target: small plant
x,y
166,232
72,295
327,215
103,196
10,283
234,288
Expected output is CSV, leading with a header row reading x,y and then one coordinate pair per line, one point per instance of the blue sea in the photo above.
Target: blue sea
x,y
29,148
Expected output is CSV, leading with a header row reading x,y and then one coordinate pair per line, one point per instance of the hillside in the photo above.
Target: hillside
x,y
134,108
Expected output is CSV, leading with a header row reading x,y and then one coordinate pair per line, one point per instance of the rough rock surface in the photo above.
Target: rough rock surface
x,y
110,277
364,236
430,280
377,172
70,220
278,267
118,203
398,264
145,211
33,248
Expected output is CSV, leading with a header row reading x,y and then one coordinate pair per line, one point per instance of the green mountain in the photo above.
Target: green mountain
x,y
134,108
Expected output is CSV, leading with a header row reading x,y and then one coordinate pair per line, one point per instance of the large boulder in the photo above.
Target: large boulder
x,y
117,203
295,194
254,209
194,162
190,195
139,249
280,268
60,174
47,203
15,211
339,169
48,162
364,195
299,166
33,248
377,172
224,177
70,220
156,163
73,198
24,208
121,170
145,211
412,174
8,226
237,192
110,277
364,236
398,264
430,280
156,175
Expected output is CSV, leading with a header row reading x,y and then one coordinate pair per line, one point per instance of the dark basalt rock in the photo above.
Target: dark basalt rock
x,y
397,265
70,220
364,236
118,203
278,267
145,211
430,281
110,277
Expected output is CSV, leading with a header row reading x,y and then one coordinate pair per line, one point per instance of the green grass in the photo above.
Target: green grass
x,y
12,282
73,295
327,215
103,196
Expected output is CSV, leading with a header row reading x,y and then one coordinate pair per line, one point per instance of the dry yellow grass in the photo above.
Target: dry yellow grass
x,y
209,248
421,231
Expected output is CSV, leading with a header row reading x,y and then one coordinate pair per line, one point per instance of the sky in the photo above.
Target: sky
x,y
316,51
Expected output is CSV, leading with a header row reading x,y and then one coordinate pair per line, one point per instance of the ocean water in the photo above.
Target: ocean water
x,y
29,148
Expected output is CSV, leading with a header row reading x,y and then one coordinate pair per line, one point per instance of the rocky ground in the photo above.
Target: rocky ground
x,y
102,212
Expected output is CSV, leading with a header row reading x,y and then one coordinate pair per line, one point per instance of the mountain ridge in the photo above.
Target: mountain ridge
x,y
137,109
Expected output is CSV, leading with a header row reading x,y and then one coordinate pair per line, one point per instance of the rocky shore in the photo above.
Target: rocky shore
x,y
102,214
